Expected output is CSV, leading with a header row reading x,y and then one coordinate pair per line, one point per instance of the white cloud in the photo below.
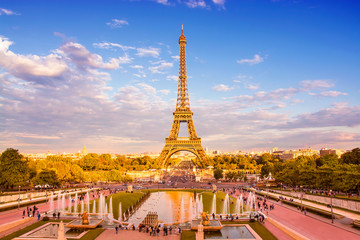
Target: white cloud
x,y
176,57
4,11
84,58
252,86
222,88
116,23
164,91
220,3
163,65
148,52
164,2
108,45
19,65
195,3
329,94
256,60
315,84
172,77
137,66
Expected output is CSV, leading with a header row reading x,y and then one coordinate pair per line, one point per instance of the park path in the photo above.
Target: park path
x,y
351,215
308,226
110,234
17,214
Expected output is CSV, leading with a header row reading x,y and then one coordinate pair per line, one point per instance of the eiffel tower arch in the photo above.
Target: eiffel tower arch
x,y
174,143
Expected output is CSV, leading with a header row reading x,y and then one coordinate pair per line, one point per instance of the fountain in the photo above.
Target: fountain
x,y
76,203
58,202
82,206
120,212
94,207
213,207
88,201
70,203
226,206
84,222
63,202
206,224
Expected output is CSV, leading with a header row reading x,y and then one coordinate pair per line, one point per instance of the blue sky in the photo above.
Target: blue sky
x,y
261,74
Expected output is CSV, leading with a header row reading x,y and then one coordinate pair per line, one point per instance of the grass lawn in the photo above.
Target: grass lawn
x,y
258,228
28,229
92,234
126,199
188,235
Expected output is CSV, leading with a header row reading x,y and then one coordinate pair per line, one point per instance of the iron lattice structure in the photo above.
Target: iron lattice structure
x,y
182,113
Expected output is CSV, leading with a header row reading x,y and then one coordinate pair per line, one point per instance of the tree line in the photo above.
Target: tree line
x,y
324,172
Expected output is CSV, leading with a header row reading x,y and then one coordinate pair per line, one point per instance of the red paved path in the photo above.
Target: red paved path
x,y
309,227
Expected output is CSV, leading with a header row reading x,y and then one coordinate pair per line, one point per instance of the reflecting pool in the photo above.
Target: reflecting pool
x,y
171,207
230,232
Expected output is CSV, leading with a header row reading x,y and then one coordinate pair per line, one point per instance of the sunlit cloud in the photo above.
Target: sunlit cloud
x,y
161,66
148,52
315,84
4,11
222,88
256,60
117,23
195,3
329,94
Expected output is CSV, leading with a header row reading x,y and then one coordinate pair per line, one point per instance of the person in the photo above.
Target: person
x,y
157,231
116,229
24,213
58,215
170,229
305,210
213,216
179,230
38,216
54,215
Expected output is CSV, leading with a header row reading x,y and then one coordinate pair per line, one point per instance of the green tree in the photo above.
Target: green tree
x,y
47,177
14,169
352,157
77,173
90,161
218,174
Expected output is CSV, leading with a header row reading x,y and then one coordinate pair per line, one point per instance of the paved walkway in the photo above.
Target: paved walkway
x,y
109,234
311,226
16,214
353,216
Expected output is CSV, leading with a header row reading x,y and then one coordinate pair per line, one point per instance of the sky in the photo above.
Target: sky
x,y
103,74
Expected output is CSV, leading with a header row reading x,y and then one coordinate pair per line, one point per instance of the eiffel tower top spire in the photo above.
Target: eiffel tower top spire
x,y
183,102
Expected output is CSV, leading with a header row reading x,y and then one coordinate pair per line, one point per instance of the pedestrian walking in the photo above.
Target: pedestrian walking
x,y
116,229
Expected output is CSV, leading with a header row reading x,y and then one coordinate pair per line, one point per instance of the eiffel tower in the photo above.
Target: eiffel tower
x,y
182,113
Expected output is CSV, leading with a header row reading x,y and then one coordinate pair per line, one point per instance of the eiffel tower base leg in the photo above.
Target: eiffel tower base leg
x,y
172,148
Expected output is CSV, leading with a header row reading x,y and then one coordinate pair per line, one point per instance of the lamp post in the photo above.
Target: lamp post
x,y
301,196
332,214
19,198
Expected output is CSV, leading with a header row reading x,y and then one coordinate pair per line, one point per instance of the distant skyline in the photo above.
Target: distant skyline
x,y
261,74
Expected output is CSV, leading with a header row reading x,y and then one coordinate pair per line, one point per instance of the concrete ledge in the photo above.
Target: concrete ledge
x,y
13,224
295,235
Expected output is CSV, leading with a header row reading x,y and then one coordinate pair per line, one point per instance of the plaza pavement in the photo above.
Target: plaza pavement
x,y
17,214
310,226
351,215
